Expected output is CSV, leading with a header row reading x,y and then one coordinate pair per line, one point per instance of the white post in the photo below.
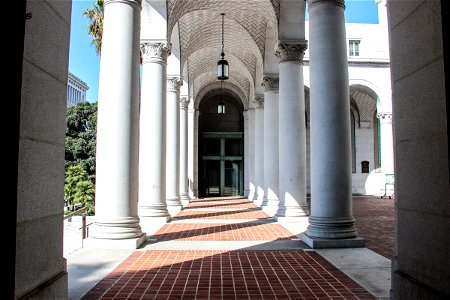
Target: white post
x,y
387,142
331,223
173,145
152,152
184,192
251,154
259,150
270,164
116,214
292,129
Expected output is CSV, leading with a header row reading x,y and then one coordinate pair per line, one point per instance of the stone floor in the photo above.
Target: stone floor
x,y
227,248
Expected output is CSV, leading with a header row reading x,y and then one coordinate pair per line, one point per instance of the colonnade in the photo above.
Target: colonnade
x,y
142,171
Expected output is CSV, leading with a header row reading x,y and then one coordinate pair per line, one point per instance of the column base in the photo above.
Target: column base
x,y
270,206
288,219
174,210
173,202
293,211
155,210
119,228
185,199
319,243
251,195
258,202
98,243
150,225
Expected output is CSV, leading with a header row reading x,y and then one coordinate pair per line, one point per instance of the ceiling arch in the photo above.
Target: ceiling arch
x,y
199,27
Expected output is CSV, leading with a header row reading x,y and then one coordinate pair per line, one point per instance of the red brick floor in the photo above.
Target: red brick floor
x,y
227,275
375,223
242,274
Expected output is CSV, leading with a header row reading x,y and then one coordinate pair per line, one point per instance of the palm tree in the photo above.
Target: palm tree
x,y
95,26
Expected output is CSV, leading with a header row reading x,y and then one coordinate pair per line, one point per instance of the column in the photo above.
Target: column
x,y
116,215
152,144
259,150
250,166
184,185
246,157
331,223
387,142
292,131
173,145
270,165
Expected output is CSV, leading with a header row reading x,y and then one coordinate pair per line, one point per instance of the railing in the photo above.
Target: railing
x,y
84,227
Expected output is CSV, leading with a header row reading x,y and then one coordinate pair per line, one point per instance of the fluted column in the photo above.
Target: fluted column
x,y
116,213
184,185
259,150
152,144
331,223
292,130
270,165
387,142
173,145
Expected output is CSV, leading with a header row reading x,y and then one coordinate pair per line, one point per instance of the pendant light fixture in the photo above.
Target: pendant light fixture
x,y
222,65
222,72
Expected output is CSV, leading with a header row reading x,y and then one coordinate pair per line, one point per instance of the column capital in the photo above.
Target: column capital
x,y
184,102
174,83
155,52
291,50
340,3
259,101
385,117
271,83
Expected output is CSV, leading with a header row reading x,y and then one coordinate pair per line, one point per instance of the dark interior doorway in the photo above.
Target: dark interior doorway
x,y
221,146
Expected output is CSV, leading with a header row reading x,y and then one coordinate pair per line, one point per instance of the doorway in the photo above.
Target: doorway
x,y
221,146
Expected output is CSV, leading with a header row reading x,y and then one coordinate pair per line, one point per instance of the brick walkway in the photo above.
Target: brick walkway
x,y
240,274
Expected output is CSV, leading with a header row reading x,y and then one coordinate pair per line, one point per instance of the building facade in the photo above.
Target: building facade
x,y
76,90
258,147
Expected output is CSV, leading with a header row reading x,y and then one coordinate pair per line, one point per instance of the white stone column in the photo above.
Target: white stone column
x,y
246,153
116,213
152,144
387,142
184,185
259,150
270,164
292,130
331,223
251,154
173,145
193,116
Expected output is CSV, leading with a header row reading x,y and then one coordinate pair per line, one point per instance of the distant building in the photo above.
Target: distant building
x,y
76,90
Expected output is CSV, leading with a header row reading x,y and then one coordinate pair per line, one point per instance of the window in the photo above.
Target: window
x,y
353,48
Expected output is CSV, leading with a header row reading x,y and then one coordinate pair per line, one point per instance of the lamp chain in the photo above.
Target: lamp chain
x,y
223,15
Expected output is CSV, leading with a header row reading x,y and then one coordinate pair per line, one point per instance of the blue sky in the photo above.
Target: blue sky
x,y
85,63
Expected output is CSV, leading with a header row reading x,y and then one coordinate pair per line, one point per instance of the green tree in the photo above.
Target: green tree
x,y
95,25
78,188
81,137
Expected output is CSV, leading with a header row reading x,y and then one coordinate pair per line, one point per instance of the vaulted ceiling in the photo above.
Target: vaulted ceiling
x,y
199,27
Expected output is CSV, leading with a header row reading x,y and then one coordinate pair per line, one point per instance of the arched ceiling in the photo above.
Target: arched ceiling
x,y
199,24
